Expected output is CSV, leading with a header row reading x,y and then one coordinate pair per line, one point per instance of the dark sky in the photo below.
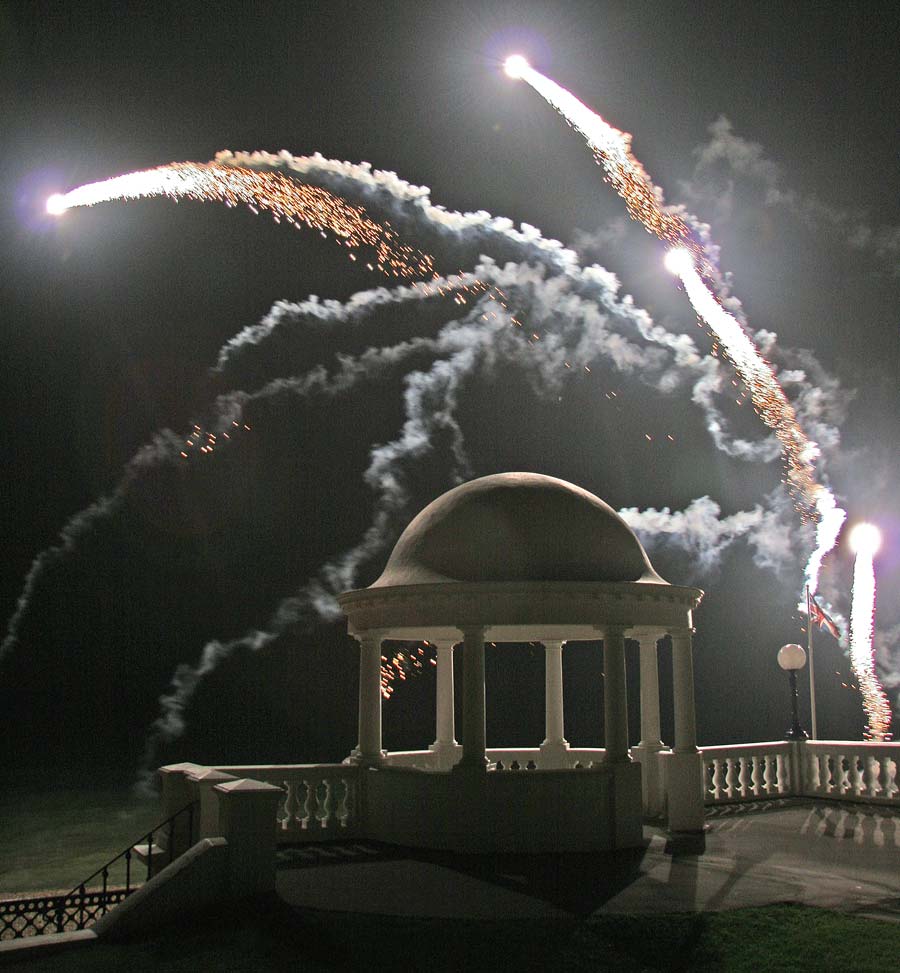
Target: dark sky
x,y
112,318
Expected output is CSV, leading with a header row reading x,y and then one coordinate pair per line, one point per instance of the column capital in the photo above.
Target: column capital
x,y
679,632
472,632
370,635
613,631
552,645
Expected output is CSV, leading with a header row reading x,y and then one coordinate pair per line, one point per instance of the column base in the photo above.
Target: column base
x,y
446,755
652,791
682,777
554,755
356,756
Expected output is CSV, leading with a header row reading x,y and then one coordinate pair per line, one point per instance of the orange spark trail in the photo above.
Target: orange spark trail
x,y
286,199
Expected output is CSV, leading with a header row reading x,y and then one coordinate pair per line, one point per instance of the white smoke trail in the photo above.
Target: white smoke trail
x,y
590,319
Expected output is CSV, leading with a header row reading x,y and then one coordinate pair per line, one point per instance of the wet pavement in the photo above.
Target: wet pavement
x,y
839,856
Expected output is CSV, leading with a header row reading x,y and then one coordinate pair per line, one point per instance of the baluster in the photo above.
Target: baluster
x,y
344,807
324,804
769,770
743,776
286,813
127,871
854,775
825,778
756,781
842,772
812,771
873,787
716,779
730,777
307,799
515,765
781,777
889,769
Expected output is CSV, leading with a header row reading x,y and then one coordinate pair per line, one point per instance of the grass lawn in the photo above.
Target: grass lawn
x,y
271,936
53,840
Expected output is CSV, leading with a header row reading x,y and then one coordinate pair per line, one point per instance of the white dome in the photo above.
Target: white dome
x,y
514,527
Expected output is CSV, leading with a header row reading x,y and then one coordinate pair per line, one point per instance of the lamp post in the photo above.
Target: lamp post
x,y
791,658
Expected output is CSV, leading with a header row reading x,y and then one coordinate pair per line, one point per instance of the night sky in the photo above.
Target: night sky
x,y
774,123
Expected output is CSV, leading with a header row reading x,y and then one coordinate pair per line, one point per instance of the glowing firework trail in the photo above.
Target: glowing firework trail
x,y
771,405
285,198
644,200
612,150
865,540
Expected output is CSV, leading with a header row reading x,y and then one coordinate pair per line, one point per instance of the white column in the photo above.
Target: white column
x,y
615,702
684,765
650,728
369,748
473,699
555,745
445,744
683,687
647,751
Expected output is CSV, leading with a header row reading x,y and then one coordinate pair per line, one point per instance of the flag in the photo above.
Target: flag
x,y
818,616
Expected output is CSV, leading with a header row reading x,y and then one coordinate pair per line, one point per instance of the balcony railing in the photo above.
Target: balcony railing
x,y
835,769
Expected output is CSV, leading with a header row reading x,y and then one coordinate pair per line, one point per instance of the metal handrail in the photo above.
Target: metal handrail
x,y
127,853
81,905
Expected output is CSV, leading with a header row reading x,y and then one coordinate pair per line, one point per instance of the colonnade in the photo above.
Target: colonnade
x,y
554,744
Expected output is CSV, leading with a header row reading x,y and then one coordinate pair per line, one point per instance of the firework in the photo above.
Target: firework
x,y
865,540
766,394
287,199
687,260
612,150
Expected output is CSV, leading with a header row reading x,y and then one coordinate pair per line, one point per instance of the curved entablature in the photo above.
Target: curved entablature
x,y
513,612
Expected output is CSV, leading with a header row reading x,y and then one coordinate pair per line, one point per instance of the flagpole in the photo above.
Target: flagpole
x,y
812,670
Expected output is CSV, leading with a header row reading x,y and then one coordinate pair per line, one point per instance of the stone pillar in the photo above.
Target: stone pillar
x,y
684,766
650,745
247,822
205,780
473,757
445,745
555,744
615,702
683,687
179,789
368,750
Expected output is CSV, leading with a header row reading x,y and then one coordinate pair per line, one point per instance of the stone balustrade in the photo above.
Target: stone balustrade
x,y
836,769
505,758
868,772
746,772
321,801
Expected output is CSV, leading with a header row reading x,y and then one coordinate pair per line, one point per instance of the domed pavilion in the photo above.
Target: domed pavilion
x,y
525,558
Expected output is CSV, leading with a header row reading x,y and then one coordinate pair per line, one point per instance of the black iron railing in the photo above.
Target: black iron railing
x,y
100,891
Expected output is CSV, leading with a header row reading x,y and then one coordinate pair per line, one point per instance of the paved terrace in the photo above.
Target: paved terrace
x,y
835,855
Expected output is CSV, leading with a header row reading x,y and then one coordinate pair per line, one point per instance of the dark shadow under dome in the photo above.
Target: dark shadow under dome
x,y
517,527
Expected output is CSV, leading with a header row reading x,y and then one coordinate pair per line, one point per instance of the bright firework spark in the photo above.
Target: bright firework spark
x,y
56,204
865,540
286,199
515,66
